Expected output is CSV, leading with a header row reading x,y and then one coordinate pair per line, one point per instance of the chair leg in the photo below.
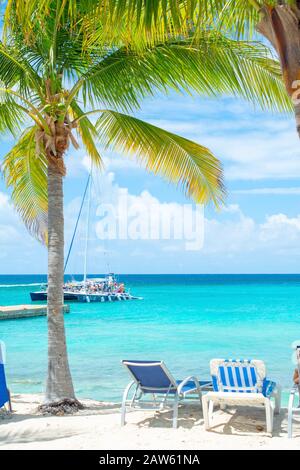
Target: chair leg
x,y
9,402
272,414
175,411
124,402
210,410
200,396
277,396
123,413
205,405
290,415
269,416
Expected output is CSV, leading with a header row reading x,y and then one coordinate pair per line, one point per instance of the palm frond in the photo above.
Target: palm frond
x,y
57,54
217,65
133,20
25,171
138,23
189,165
12,117
15,69
239,17
87,132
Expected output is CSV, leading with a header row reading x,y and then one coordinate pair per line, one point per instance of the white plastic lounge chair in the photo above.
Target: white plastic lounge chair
x,y
4,392
153,378
241,382
293,407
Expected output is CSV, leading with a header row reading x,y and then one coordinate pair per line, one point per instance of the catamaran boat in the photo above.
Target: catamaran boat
x,y
105,289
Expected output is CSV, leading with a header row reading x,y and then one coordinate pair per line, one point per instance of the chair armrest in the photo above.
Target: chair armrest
x,y
191,378
269,387
127,389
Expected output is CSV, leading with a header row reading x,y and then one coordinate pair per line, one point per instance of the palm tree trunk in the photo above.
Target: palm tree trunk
x,y
297,116
59,382
280,25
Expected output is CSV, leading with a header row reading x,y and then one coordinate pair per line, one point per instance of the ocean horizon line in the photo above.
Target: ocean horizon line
x,y
159,274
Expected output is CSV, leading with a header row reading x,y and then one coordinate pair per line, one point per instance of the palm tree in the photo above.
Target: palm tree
x,y
276,20
56,70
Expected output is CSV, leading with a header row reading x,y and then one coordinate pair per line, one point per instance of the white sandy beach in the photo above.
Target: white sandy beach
x,y
98,427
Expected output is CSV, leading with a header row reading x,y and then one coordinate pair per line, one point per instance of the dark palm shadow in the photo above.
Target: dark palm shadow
x,y
8,435
34,436
188,417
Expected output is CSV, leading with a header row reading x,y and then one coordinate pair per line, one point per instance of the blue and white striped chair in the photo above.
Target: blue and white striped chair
x,y
4,392
154,379
241,382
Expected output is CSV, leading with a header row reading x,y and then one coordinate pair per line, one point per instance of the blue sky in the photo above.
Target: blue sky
x,y
257,231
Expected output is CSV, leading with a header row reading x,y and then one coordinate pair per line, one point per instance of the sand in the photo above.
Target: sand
x,y
98,427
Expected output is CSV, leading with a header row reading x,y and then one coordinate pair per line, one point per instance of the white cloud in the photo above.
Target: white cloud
x,y
9,222
277,234
268,151
281,230
150,214
18,249
233,241
8,234
252,144
267,191
233,234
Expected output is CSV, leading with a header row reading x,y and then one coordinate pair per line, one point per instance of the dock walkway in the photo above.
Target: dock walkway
x,y
25,311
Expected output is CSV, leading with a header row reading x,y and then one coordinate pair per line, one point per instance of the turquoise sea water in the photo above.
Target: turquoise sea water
x,y
185,320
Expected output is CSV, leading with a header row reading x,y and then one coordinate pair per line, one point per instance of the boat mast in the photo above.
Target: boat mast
x,y
87,230
76,225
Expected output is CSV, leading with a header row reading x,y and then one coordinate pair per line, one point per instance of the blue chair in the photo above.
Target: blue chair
x,y
241,382
152,378
4,392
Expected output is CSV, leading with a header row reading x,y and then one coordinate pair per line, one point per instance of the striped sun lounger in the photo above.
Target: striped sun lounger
x,y
152,378
241,382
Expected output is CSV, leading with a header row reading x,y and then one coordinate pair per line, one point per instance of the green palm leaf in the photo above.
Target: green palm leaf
x,y
131,20
87,133
14,68
187,164
12,117
217,65
61,58
25,171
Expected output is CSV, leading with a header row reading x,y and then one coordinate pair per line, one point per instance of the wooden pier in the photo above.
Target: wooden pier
x,y
25,311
